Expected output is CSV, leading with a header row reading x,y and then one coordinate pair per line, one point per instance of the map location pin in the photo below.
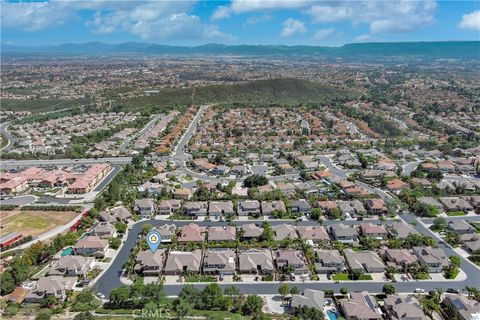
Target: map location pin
x,y
153,239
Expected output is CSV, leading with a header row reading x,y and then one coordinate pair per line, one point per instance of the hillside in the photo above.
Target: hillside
x,y
440,49
287,92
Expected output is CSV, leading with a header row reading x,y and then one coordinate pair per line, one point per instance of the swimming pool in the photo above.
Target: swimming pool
x,y
67,252
332,315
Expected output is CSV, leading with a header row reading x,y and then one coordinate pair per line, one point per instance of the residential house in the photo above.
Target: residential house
x,y
72,266
122,214
301,206
435,258
248,207
196,208
316,234
220,208
191,233
103,230
327,206
226,233
365,261
371,230
221,261
472,246
329,261
183,262
291,261
56,286
150,264
351,209
431,202
167,207
91,246
251,231
284,231
455,204
396,186
167,232
255,262
344,233
401,259
310,298
182,194
401,230
360,306
403,308
460,307
376,206
270,206
460,227
145,207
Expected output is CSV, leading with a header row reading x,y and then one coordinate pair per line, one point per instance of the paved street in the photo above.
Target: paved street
x,y
18,201
110,279
145,129
4,132
19,164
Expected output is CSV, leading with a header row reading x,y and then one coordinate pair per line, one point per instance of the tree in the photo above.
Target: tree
x,y
439,224
114,243
146,228
119,296
252,306
294,290
189,293
344,290
44,314
85,301
183,308
255,180
455,261
308,313
84,316
388,289
7,283
283,290
211,298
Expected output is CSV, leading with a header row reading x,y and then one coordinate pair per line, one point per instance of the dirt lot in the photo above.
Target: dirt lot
x,y
33,223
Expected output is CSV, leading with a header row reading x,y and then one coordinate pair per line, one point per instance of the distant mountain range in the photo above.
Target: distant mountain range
x,y
443,49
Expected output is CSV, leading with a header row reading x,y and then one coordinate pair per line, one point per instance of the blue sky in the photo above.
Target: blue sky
x,y
290,22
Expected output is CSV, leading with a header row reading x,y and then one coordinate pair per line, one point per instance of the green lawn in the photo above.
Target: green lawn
x,y
456,213
340,276
201,278
220,315
346,276
422,276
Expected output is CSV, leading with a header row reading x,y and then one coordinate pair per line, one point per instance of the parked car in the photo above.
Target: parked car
x,y
452,290
419,290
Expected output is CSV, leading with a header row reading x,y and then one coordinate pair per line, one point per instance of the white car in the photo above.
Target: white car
x,y
419,290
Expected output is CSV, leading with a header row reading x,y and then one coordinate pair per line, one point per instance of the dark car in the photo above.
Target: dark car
x,y
452,290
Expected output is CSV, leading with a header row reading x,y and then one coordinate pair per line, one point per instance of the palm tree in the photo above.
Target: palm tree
x,y
438,295
429,306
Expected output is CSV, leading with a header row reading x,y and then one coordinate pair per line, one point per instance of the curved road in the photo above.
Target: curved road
x,y
11,139
111,278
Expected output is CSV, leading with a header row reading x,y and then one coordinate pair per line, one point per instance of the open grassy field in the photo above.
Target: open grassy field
x,y
33,223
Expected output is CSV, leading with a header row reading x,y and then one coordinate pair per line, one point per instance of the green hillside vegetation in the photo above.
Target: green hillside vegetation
x,y
285,92
41,105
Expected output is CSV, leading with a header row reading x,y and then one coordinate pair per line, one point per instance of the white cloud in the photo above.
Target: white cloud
x,y
382,16
257,19
386,16
150,20
363,38
323,33
292,27
34,16
221,12
470,21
